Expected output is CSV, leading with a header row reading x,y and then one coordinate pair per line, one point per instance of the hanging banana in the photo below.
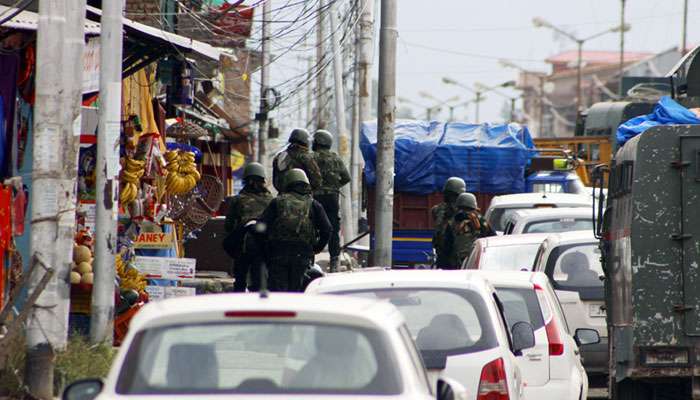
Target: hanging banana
x,y
131,174
182,172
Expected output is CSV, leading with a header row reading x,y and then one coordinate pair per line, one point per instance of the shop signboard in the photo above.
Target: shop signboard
x,y
166,292
166,267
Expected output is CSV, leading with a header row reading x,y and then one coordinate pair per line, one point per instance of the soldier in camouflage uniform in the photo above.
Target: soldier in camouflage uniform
x,y
442,214
296,155
297,228
461,232
248,205
335,175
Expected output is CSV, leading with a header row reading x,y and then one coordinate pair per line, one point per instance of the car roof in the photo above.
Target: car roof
x,y
574,237
519,279
510,240
407,278
215,305
540,198
542,213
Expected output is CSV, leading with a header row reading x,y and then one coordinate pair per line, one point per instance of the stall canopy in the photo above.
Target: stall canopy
x,y
490,158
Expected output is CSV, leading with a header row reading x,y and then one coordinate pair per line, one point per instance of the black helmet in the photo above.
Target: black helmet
x,y
300,136
454,185
466,200
294,176
323,139
254,169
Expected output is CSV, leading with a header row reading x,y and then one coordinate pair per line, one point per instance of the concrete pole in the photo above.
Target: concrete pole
x,y
684,38
320,81
476,108
309,91
365,61
384,193
107,169
541,116
622,44
579,78
512,109
343,142
264,83
60,44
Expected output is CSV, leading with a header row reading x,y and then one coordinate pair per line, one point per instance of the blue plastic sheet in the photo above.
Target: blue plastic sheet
x,y
490,158
666,112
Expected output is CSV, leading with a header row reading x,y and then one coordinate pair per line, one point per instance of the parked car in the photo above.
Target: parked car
x,y
455,320
552,369
287,346
548,220
502,205
571,260
505,253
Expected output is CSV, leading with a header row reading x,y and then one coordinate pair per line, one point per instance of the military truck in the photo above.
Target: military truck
x,y
650,245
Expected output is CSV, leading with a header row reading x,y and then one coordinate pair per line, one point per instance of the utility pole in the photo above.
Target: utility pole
x,y
309,91
622,43
364,110
476,106
343,142
107,169
60,44
320,81
384,193
264,83
579,78
512,109
541,98
684,39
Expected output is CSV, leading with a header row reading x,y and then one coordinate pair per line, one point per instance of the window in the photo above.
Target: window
x,y
259,358
441,320
521,305
416,360
577,266
559,225
473,261
548,188
509,258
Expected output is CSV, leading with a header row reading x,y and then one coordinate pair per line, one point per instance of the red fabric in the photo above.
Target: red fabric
x,y
5,218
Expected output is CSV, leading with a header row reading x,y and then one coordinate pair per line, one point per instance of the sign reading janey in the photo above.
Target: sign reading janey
x,y
153,240
166,267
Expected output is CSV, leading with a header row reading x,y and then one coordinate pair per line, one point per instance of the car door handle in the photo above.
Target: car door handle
x,y
534,357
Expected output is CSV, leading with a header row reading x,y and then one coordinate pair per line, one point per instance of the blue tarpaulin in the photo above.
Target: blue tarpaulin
x,y
666,112
490,158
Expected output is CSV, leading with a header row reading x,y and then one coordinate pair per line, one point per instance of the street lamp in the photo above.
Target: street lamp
x,y
542,23
437,107
428,109
478,93
540,92
494,89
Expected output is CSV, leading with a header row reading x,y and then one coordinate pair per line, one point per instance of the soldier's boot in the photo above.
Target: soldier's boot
x,y
333,267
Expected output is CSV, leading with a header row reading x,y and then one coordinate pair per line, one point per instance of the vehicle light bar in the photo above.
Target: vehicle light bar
x,y
260,314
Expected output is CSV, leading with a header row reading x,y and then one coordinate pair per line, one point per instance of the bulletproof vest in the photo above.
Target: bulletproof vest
x,y
293,222
252,205
443,214
463,245
286,161
330,170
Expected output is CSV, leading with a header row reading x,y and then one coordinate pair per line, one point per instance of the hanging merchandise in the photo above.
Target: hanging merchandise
x,y
131,173
182,172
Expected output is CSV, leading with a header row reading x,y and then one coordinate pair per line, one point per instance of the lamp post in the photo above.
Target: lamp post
x,y
478,90
484,89
540,90
428,110
541,23
440,103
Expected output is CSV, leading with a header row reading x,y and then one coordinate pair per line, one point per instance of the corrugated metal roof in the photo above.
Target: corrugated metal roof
x,y
27,20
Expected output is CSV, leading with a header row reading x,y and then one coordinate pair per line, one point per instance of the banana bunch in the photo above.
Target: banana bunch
x,y
182,172
131,173
130,278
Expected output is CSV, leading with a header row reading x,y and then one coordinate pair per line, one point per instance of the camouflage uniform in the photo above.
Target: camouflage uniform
x,y
295,156
460,235
297,227
335,176
442,214
247,206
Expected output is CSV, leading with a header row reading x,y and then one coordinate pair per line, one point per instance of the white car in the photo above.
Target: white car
x,y
502,205
505,253
285,346
571,260
455,320
552,369
548,220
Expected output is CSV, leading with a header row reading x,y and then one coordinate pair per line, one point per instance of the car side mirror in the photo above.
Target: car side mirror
x,y
85,389
584,336
523,337
449,389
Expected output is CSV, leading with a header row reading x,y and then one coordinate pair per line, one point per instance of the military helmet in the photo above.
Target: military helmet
x,y
323,138
293,176
300,136
466,200
254,169
454,185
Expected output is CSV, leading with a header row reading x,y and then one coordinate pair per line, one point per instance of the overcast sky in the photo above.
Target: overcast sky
x,y
495,29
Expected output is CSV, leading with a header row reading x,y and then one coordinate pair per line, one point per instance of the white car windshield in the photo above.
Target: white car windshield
x,y
578,267
558,225
509,258
441,320
259,358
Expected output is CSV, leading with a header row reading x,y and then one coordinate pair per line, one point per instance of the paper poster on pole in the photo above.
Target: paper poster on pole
x,y
166,267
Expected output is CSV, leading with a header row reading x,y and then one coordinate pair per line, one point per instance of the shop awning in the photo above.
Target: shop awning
x,y
29,21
